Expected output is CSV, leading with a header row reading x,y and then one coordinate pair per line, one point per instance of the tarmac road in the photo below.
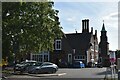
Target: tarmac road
x,y
65,74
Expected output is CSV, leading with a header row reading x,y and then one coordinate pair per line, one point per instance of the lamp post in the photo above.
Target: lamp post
x,y
14,41
112,60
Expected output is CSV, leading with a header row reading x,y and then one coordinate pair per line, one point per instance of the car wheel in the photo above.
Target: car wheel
x,y
54,70
35,72
30,72
51,71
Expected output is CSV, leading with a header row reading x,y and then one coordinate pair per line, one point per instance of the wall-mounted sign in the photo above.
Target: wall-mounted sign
x,y
112,56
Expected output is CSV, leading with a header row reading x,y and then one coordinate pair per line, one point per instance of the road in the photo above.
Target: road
x,y
65,73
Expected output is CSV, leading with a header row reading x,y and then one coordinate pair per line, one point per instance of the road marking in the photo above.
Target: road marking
x,y
26,75
45,75
61,74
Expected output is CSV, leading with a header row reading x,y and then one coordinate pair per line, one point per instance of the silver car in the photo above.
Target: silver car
x,y
45,67
23,66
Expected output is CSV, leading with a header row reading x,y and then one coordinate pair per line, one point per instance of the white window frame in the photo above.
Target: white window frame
x,y
79,57
41,57
56,44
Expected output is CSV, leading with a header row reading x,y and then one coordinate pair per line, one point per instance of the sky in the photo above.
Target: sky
x,y
72,13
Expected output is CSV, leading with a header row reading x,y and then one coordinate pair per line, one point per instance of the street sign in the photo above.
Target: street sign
x,y
112,56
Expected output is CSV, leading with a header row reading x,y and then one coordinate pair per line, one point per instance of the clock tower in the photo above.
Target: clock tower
x,y
104,47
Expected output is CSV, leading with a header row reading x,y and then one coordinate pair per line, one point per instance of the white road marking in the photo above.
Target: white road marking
x,y
41,75
61,74
36,75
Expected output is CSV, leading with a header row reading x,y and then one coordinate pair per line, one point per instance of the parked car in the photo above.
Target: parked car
x,y
23,66
79,64
45,67
99,65
89,64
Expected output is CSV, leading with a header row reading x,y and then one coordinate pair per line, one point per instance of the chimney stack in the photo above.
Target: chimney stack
x,y
87,22
95,32
91,29
75,30
85,25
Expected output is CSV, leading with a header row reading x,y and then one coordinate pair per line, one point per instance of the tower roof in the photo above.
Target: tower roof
x,y
103,27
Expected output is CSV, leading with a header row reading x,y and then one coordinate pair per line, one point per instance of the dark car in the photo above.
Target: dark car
x,y
45,67
99,65
79,64
23,66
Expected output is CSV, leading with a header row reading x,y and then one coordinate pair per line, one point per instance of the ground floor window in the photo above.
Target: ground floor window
x,y
79,57
40,57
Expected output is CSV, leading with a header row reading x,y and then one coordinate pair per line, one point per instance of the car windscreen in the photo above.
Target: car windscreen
x,y
77,63
37,64
46,64
27,63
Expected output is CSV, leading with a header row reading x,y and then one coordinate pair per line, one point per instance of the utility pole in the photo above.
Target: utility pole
x,y
15,48
118,68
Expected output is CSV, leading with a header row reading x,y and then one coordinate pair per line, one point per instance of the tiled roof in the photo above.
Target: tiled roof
x,y
78,41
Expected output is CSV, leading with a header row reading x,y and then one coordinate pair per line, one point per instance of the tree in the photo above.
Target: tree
x,y
29,27
117,52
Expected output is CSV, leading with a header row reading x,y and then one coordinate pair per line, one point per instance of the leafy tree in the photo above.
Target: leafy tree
x,y
29,27
117,52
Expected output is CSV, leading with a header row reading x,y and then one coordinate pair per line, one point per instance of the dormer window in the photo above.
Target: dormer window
x,y
58,44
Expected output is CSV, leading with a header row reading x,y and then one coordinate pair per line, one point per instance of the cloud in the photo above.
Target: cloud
x,y
71,19
111,20
114,15
111,23
111,16
86,0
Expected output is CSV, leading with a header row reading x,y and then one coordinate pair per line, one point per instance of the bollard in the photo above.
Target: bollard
x,y
118,74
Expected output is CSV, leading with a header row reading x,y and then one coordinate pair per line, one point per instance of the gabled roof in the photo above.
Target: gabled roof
x,y
78,41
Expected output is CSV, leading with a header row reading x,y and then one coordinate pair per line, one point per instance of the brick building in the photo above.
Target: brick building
x,y
76,47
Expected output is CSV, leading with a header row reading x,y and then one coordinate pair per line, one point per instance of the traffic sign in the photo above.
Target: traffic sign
x,y
112,56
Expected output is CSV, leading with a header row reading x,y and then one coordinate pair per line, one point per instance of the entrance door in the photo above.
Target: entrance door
x,y
70,58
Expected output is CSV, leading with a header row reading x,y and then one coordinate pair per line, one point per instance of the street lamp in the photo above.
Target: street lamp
x,y
14,43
